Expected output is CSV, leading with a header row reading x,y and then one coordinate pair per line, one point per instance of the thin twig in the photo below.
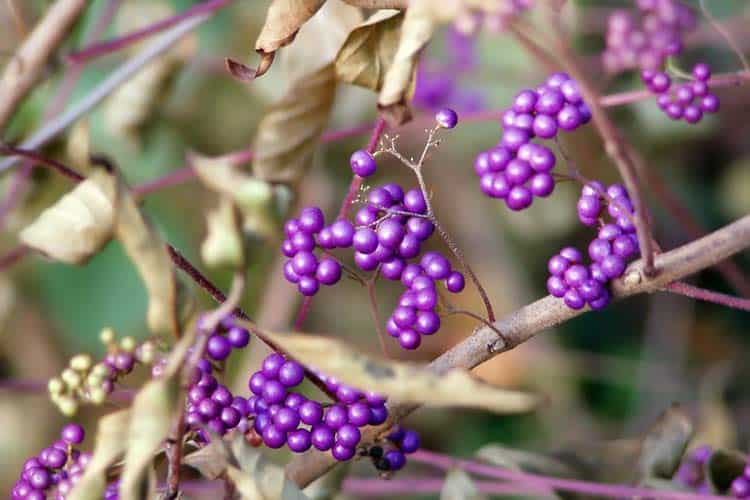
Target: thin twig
x,y
374,314
27,65
35,157
724,33
110,46
697,293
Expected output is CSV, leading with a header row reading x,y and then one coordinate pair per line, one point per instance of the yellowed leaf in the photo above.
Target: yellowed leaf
x,y
146,249
79,224
404,382
111,438
459,486
223,246
211,460
420,21
369,50
218,174
290,131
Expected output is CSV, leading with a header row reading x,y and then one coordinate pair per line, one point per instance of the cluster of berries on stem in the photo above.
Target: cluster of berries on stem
x,y
689,101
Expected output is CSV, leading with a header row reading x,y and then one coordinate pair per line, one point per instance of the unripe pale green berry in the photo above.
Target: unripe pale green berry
x,y
71,378
101,370
107,336
67,406
128,344
97,395
55,386
81,362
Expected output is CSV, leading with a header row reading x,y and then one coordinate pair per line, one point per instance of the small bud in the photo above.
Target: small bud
x,y
146,354
97,395
101,370
71,378
81,362
128,344
55,386
67,406
107,336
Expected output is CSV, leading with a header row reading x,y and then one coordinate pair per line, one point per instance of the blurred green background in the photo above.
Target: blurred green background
x,y
607,374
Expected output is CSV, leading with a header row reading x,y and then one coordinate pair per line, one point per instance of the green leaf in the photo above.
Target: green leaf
x,y
111,437
369,50
289,133
79,224
459,486
404,382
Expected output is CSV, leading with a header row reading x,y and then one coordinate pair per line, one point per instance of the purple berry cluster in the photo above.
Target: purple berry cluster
x,y
517,169
692,469
392,456
646,38
415,315
212,406
688,101
54,472
283,416
614,245
740,487
303,267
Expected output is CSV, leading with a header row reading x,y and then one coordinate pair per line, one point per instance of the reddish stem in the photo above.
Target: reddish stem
x,y
109,46
424,485
71,174
573,485
695,292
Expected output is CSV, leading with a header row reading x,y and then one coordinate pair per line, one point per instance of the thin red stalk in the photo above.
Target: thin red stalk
x,y
424,485
356,183
695,292
42,160
109,46
65,89
13,256
585,487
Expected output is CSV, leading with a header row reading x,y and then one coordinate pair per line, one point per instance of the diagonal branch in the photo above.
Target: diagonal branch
x,y
523,324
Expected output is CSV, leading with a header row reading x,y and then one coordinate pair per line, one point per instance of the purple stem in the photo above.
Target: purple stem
x,y
423,485
723,299
585,487
108,46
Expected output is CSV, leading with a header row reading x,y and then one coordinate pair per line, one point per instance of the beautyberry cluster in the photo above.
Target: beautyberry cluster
x,y
303,267
614,245
283,416
415,315
691,472
86,381
54,472
517,170
392,456
646,38
688,101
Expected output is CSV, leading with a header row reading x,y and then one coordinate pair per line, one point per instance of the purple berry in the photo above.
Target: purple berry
x,y
342,453
291,374
702,72
396,459
304,263
343,233
274,437
514,138
390,233
410,442
299,440
218,347
409,339
573,299
272,364
455,282
542,185
545,126
518,171
322,437
519,198
230,417
380,197
335,417
446,118
613,266
72,433
348,435
414,201
311,219
286,419
524,102
303,242
328,272
599,249
310,412
274,392
363,163
308,286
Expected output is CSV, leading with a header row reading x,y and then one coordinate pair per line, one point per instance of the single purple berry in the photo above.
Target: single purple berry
x,y
542,184
519,198
378,414
524,101
499,158
299,440
365,240
455,282
222,396
518,171
274,392
410,442
702,72
343,233
599,249
576,275
230,417
572,254
411,271
348,435
514,138
342,453
72,433
272,364
446,118
380,197
613,266
209,408
573,299
590,290
414,201
291,374
328,272
291,227
335,416
396,459
274,437
545,126
589,206
310,412
304,263
286,419
363,163
390,233
409,339
238,337
322,437
311,219
308,286
359,414
693,114
287,248
482,163
256,383
303,242
542,159
218,347
710,104
347,394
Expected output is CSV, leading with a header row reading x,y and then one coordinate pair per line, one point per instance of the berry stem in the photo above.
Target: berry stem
x,y
697,293
109,46
450,310
173,453
375,315
725,33
35,157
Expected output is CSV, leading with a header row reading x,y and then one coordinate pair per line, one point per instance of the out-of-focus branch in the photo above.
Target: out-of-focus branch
x,y
26,67
379,4
523,324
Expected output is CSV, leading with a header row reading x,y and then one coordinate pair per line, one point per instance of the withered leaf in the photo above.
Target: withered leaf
x,y
520,460
155,406
419,24
289,132
284,18
79,224
146,249
111,438
664,444
459,486
369,50
223,246
211,460
230,180
404,382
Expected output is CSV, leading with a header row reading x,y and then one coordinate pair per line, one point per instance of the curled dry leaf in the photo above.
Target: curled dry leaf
x,y
525,461
284,18
211,460
223,245
146,249
290,131
459,486
664,444
369,50
404,382
111,438
79,224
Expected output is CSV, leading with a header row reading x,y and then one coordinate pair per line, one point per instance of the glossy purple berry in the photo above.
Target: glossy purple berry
x,y
702,72
390,233
572,254
455,282
710,104
342,453
518,171
410,442
363,163
575,275
446,118
613,266
348,435
359,414
303,242
304,263
378,414
230,417
299,440
343,233
396,459
328,272
541,158
308,286
238,337
311,219
272,364
335,416
414,201
542,185
404,317
409,339
365,240
545,126
514,138
218,347
274,437
573,299
322,437
274,392
286,419
310,412
519,198
291,374
599,249
73,434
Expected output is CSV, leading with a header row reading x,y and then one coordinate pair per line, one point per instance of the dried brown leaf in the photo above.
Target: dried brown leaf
x,y
146,249
664,444
290,131
420,21
79,224
211,460
404,382
111,438
369,50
